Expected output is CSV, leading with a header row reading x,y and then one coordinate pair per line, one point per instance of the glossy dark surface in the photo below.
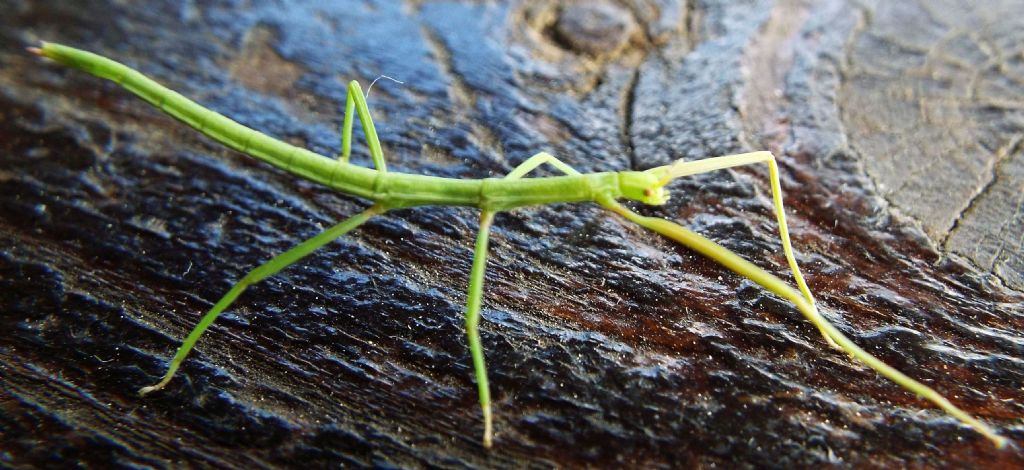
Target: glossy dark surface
x,y
607,346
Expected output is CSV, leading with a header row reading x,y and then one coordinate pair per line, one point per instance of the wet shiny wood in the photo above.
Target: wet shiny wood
x,y
607,346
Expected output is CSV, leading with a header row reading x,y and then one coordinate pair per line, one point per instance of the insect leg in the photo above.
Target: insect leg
x,y
476,285
346,127
356,103
474,297
265,270
767,280
537,160
681,168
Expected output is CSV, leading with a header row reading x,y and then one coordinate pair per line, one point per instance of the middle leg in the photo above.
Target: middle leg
x,y
476,285
537,160
473,303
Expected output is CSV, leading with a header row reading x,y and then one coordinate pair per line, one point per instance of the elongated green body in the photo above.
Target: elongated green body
x,y
391,190
397,190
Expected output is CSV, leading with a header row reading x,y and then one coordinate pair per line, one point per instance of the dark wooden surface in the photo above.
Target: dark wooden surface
x,y
898,126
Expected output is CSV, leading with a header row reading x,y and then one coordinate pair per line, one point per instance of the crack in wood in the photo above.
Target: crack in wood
x,y
629,101
1002,155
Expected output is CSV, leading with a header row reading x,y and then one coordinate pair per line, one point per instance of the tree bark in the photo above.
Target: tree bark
x,y
898,130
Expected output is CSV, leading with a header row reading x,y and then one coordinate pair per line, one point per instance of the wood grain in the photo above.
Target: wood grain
x,y
607,346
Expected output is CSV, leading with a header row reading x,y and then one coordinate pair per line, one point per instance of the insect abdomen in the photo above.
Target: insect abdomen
x,y
288,157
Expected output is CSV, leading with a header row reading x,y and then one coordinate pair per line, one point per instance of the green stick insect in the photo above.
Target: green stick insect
x,y
399,190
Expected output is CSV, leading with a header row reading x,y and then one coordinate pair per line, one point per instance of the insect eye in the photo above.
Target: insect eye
x,y
648,192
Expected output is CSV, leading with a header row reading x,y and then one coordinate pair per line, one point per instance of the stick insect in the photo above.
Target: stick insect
x,y
392,190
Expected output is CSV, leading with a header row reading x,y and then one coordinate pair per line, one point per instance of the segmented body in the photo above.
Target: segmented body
x,y
491,195
390,189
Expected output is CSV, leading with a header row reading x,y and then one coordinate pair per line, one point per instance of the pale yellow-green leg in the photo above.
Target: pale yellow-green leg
x,y
748,270
683,168
265,270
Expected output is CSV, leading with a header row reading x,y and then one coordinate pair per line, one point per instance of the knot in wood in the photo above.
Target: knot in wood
x,y
594,28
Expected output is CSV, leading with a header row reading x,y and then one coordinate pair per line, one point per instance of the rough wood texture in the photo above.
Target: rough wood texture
x,y
899,130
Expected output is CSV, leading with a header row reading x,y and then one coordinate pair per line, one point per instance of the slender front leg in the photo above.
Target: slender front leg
x,y
473,301
265,270
682,168
744,268
356,103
